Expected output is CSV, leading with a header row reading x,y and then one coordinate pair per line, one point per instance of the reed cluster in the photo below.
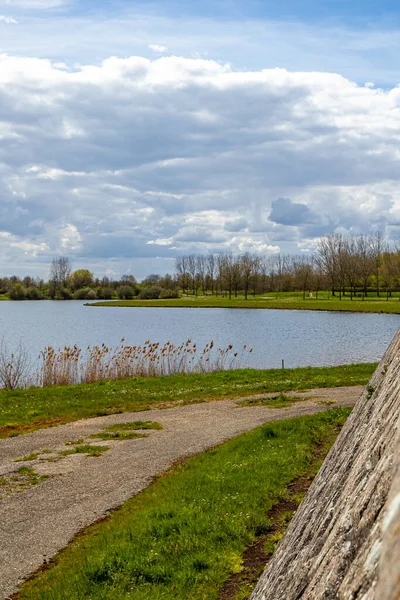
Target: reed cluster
x,y
71,365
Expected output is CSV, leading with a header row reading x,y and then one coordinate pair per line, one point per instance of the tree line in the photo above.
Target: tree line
x,y
341,264
66,284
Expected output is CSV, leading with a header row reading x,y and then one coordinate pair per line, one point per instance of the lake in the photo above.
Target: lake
x,y
301,338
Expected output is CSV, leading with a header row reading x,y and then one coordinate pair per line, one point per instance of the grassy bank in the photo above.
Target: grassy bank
x,y
22,411
289,300
184,537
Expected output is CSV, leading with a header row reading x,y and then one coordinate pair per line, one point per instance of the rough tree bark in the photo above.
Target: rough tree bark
x,y
344,541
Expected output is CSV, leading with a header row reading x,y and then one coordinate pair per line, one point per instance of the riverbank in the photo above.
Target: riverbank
x,y
23,411
288,301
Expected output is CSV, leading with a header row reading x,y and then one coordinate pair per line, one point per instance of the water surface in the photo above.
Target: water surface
x,y
301,338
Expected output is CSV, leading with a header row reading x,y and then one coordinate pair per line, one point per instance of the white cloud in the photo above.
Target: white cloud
x,y
70,238
8,20
161,242
145,159
157,48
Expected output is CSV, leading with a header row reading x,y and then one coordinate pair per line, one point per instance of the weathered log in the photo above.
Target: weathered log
x,y
344,540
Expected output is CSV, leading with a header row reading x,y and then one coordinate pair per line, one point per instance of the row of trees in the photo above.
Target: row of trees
x,y
342,264
66,284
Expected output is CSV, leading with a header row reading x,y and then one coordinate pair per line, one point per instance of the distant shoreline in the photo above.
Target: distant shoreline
x,y
333,305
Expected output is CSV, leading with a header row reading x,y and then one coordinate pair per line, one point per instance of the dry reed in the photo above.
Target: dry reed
x,y
71,365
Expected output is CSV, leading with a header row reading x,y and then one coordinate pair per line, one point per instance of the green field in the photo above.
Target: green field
x,y
22,411
184,537
288,300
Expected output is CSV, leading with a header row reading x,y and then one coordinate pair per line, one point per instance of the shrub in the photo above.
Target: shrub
x,y
165,294
65,294
32,293
17,292
14,366
107,293
82,294
152,293
125,292
92,295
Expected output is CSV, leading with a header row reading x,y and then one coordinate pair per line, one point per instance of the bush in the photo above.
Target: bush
x,y
32,293
92,295
65,294
166,294
125,292
107,293
82,294
152,293
17,292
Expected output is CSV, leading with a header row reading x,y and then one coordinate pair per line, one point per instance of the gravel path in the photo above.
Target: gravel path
x,y
38,522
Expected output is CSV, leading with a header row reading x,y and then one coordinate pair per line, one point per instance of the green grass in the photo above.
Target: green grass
x,y
23,479
280,401
133,425
185,535
118,435
282,300
85,449
28,457
22,411
126,431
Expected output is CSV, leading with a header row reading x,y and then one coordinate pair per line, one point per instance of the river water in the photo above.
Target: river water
x,y
300,338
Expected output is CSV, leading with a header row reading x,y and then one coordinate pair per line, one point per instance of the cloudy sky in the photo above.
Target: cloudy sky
x,y
131,132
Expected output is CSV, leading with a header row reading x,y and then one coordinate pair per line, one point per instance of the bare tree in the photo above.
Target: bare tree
x,y
366,260
377,248
327,258
192,268
60,272
211,270
201,265
247,265
303,273
181,265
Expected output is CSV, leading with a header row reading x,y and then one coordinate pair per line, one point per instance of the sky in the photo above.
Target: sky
x,y
134,132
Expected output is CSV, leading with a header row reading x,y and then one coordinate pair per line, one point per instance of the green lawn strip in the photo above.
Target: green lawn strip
x,y
22,411
185,535
85,449
284,301
280,401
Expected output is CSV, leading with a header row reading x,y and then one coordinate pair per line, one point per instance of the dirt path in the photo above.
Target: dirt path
x,y
39,521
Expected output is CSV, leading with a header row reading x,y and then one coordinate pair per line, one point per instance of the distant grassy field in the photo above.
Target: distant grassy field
x,y
22,411
289,300
184,537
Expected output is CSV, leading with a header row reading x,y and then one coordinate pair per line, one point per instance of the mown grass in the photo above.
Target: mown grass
x,y
185,535
22,411
282,300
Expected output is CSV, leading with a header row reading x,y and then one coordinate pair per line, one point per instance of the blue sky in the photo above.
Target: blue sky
x,y
131,133
357,39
